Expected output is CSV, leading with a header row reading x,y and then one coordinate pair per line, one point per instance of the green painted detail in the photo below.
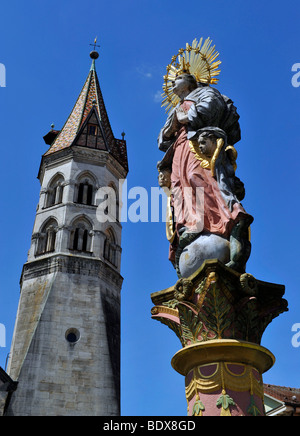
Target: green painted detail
x,y
225,401
215,311
198,408
253,409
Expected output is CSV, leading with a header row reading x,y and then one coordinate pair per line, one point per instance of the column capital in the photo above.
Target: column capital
x,y
220,315
216,302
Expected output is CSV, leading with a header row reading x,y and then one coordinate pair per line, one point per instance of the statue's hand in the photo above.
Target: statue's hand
x,y
182,116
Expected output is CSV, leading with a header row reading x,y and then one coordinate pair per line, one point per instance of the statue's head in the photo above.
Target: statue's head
x,y
212,144
207,142
164,176
207,139
184,84
197,64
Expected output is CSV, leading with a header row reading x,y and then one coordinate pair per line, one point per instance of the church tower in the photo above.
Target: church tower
x,y
65,352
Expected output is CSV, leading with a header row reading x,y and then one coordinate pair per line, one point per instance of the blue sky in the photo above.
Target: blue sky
x,y
45,49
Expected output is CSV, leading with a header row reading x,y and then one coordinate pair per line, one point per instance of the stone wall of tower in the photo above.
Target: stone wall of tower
x,y
64,294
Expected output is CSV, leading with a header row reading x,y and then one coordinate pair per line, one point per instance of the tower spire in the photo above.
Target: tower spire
x,y
90,99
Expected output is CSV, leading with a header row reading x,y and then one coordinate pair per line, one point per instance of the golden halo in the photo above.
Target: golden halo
x,y
196,59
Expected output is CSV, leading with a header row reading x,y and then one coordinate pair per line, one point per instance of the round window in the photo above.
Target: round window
x,y
72,335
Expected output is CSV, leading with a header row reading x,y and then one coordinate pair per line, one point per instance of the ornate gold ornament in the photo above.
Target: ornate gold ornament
x,y
170,232
249,284
197,59
183,289
165,310
206,162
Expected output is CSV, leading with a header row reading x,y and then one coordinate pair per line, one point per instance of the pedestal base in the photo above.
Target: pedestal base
x,y
224,377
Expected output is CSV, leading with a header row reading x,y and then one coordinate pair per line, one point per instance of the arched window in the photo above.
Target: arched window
x,y
85,190
55,191
81,235
47,237
85,193
109,251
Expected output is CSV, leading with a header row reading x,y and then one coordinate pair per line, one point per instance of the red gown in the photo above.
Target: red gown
x,y
187,172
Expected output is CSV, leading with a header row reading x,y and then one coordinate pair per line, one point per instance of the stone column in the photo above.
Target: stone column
x,y
85,193
51,235
43,199
58,194
80,238
224,377
219,315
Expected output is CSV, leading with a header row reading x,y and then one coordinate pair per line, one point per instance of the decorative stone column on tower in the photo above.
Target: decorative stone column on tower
x,y
65,353
218,311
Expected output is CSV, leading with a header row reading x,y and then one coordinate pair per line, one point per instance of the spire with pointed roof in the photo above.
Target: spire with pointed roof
x,y
88,123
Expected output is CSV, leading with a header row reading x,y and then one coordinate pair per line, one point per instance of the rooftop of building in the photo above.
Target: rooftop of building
x,y
89,102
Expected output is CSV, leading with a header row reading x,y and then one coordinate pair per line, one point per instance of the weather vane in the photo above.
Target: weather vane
x,y
95,43
94,54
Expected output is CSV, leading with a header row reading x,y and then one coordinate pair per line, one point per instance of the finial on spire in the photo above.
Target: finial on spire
x,y
94,54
